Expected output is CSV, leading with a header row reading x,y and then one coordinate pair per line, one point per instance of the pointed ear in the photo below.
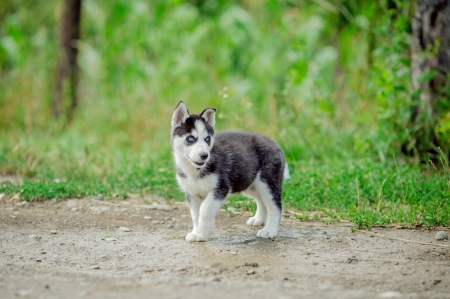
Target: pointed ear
x,y
209,115
180,114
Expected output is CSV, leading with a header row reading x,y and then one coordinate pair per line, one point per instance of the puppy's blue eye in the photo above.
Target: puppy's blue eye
x,y
207,139
190,139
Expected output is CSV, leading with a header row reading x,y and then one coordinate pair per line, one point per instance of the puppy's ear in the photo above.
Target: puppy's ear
x,y
209,115
180,114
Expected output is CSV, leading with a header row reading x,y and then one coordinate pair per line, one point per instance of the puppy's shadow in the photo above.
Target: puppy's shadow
x,y
247,239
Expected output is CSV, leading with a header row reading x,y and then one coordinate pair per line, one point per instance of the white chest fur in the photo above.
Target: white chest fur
x,y
195,186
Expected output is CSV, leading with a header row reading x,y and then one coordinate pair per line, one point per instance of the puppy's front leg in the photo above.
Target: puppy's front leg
x,y
207,217
194,205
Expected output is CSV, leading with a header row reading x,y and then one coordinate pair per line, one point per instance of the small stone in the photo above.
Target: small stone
x,y
147,217
441,235
94,267
24,293
53,231
233,252
251,272
33,236
124,229
74,209
110,239
73,203
161,207
390,294
99,209
170,226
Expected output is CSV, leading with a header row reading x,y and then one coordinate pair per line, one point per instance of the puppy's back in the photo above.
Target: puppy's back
x,y
240,156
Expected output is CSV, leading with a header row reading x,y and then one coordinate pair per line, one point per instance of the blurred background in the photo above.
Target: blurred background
x,y
327,79
355,92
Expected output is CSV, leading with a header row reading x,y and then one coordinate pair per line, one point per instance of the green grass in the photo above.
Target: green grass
x,y
333,90
364,191
367,193
68,166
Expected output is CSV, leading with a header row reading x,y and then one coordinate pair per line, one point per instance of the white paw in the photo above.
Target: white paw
x,y
195,237
255,221
191,237
205,232
267,233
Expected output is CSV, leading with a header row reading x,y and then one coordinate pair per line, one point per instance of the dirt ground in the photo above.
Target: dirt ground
x,y
79,249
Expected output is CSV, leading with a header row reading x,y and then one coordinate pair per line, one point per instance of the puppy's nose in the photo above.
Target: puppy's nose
x,y
203,156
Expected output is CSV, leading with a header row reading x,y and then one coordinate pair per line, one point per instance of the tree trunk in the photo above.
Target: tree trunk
x,y
430,68
67,67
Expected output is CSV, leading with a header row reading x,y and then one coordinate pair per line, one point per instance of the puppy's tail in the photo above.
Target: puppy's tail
x,y
286,175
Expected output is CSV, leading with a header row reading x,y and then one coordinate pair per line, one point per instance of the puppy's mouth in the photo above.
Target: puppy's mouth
x,y
199,163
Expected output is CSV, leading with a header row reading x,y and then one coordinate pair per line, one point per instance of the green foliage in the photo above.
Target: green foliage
x,y
302,73
443,129
329,80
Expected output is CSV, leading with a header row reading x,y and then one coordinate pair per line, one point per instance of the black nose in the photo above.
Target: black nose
x,y
204,156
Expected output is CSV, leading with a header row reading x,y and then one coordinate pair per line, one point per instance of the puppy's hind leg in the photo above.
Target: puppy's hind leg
x,y
260,216
272,201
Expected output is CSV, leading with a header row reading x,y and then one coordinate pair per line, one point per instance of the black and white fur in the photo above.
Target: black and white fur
x,y
210,166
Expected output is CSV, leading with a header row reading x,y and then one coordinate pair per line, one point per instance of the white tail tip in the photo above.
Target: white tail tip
x,y
286,174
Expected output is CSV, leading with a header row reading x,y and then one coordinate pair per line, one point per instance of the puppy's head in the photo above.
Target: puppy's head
x,y
193,135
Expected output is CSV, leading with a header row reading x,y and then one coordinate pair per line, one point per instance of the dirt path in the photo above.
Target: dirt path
x,y
306,260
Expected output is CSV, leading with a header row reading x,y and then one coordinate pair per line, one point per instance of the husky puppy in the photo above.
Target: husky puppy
x,y
210,166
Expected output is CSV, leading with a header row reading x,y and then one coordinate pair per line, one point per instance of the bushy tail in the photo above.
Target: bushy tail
x,y
286,175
